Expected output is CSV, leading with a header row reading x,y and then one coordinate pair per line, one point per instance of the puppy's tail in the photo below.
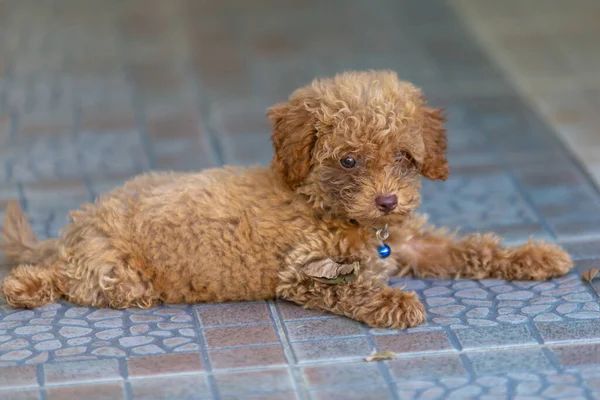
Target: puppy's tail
x,y
18,242
36,281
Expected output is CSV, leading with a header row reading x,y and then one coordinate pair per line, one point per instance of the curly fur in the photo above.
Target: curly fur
x,y
234,234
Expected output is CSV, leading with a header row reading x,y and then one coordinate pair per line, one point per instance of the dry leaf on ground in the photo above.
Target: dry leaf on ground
x,y
382,355
590,274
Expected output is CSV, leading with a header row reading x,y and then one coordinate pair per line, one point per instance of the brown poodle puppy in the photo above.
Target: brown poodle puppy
x,y
323,227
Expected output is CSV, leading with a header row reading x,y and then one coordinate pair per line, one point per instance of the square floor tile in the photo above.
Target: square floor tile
x,y
429,366
567,331
494,336
240,336
550,177
247,357
575,230
584,249
245,383
476,202
266,396
101,391
164,364
233,314
172,387
513,360
322,328
337,349
362,373
581,210
562,196
519,234
577,354
39,194
24,394
414,342
353,393
294,311
14,377
247,149
81,371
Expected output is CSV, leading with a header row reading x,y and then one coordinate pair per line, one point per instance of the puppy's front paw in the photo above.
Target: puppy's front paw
x,y
401,310
541,261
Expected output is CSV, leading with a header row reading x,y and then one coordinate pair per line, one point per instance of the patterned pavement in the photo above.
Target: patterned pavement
x,y
93,92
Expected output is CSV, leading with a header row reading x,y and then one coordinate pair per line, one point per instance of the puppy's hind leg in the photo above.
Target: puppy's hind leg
x,y
434,254
109,282
32,286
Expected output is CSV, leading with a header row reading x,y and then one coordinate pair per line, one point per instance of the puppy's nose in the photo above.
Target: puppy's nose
x,y
386,203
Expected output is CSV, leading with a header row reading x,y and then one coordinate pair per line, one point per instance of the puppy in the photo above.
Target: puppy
x,y
323,227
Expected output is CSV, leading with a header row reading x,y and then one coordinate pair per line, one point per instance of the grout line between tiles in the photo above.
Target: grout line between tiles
x,y
552,358
39,370
127,390
212,383
382,366
127,393
297,376
467,365
453,339
535,333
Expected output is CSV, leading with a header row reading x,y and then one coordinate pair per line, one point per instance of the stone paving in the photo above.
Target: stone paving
x,y
93,92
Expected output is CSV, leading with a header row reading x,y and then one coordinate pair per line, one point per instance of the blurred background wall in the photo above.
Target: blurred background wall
x,y
95,91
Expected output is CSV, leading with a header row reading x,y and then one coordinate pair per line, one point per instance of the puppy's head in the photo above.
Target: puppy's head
x,y
357,144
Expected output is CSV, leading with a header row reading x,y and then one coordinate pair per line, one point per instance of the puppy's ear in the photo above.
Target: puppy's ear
x,y
435,165
294,137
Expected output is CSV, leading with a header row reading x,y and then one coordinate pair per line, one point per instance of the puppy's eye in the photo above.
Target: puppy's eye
x,y
348,162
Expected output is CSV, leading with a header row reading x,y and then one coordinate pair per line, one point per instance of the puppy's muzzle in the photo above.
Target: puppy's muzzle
x,y
386,203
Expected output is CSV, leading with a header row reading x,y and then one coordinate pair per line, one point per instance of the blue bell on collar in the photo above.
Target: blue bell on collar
x,y
383,250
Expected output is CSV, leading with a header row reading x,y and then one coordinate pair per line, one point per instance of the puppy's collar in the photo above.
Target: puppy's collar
x,y
381,234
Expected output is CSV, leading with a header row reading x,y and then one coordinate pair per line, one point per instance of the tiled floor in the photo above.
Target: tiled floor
x,y
93,92
553,57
